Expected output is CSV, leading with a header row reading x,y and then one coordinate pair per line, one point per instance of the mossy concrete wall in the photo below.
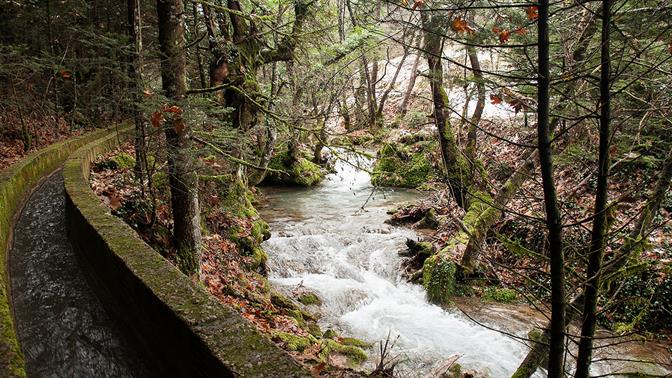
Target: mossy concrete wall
x,y
183,330
16,183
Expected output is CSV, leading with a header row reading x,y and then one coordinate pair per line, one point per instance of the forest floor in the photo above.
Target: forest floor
x,y
43,131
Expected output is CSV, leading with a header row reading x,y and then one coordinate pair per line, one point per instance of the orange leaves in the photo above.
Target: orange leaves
x,y
504,36
172,109
495,99
532,13
460,25
65,74
158,117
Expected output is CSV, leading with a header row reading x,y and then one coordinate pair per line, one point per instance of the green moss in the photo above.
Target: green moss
x,y
310,299
355,342
329,334
259,257
124,160
293,342
500,294
282,301
455,371
439,278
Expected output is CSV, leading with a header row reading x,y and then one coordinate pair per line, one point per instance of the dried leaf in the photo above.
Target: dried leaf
x,y
461,26
418,4
495,99
178,125
157,119
172,109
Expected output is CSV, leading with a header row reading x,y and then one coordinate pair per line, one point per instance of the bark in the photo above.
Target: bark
x,y
182,177
456,168
597,244
613,271
556,355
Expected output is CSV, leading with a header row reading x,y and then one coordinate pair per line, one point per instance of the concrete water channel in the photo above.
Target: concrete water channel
x,y
62,326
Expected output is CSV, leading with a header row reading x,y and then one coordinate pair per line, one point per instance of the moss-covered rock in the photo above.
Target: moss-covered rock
x,y
310,299
404,166
439,278
289,171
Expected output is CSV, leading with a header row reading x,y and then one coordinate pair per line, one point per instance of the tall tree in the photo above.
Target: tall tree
x,y
455,166
182,177
598,236
135,63
556,357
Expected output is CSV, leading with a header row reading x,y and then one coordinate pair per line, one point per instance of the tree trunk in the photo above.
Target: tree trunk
x,y
403,109
136,87
182,177
597,243
480,104
556,355
456,168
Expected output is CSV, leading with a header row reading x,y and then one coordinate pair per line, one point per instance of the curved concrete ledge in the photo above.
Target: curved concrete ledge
x,y
183,329
16,182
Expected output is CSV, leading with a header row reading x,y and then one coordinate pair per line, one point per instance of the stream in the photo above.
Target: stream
x,y
324,240
332,240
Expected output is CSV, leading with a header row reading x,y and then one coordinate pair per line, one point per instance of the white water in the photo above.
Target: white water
x,y
324,241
